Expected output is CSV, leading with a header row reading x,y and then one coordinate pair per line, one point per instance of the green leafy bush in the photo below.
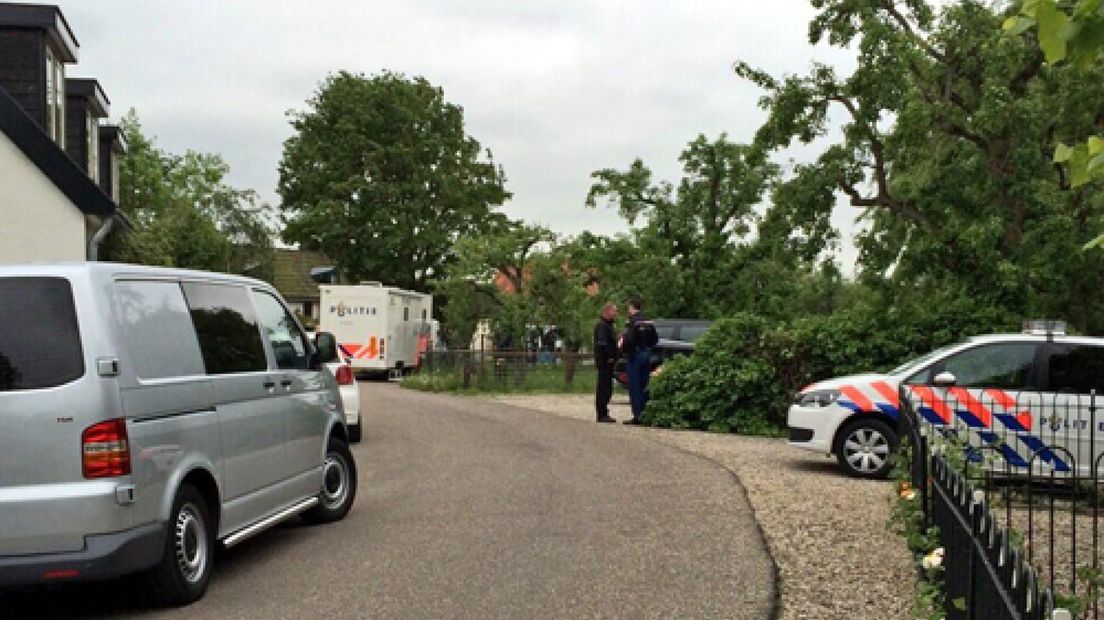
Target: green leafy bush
x,y
730,384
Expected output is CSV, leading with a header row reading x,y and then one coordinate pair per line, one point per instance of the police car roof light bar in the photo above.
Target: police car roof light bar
x,y
1042,327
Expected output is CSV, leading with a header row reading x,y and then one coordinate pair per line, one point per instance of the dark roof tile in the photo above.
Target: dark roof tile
x,y
291,273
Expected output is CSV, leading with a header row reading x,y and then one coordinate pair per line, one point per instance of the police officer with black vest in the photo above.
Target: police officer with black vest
x,y
637,342
605,356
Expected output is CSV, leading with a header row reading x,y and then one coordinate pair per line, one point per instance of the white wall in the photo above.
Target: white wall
x,y
37,221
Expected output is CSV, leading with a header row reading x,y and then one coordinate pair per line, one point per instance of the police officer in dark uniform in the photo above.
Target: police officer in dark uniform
x,y
605,355
637,342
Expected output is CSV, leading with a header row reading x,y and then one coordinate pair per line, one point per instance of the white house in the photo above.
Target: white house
x,y
54,190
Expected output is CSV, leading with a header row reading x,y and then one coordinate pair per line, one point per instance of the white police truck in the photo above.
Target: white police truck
x,y
381,329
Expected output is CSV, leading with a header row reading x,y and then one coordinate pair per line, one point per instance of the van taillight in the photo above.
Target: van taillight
x,y
344,375
105,449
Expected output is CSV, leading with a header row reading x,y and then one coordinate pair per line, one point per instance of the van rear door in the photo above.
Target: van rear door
x,y
49,393
41,370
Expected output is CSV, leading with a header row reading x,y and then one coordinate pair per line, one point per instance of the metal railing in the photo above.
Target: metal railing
x,y
1012,482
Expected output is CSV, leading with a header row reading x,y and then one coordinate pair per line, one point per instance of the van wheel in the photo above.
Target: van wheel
x,y
865,447
181,577
339,483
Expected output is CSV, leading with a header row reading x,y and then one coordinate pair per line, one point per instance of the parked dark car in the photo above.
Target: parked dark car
x,y
676,337
681,330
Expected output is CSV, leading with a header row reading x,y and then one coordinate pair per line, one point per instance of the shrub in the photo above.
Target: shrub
x,y
730,384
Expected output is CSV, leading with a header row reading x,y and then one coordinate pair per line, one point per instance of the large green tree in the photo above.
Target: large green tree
x,y
519,276
185,214
688,231
382,176
630,264
945,151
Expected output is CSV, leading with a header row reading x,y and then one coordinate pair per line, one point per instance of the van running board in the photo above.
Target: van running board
x,y
268,522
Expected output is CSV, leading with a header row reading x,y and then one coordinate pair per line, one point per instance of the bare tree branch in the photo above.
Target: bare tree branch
x,y
891,8
883,198
959,131
1018,85
877,149
900,208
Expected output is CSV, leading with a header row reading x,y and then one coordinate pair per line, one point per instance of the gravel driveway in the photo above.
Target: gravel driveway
x,y
827,532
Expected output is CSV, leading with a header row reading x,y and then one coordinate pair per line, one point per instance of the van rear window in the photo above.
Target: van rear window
x,y
40,344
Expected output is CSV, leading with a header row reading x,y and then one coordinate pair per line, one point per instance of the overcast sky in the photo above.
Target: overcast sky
x,y
555,89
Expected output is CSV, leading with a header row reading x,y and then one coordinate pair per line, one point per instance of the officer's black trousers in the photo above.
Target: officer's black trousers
x,y
604,391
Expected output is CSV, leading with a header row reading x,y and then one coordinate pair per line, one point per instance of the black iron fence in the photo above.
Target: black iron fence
x,y
1012,482
550,371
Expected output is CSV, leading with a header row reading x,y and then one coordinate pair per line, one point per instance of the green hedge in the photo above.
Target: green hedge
x,y
745,371
730,384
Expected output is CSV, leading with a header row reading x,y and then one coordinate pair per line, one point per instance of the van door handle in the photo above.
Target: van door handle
x,y
286,382
270,385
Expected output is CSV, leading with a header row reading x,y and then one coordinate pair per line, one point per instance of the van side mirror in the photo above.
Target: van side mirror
x,y
325,347
945,379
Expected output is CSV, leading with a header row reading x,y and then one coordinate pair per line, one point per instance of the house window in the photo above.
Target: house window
x,y
114,159
93,148
55,98
51,94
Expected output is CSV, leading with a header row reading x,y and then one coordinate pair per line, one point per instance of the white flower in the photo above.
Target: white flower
x,y
933,560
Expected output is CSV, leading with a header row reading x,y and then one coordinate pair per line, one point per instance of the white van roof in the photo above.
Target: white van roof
x,y
111,270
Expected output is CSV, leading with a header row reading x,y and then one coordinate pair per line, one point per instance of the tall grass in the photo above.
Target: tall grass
x,y
506,379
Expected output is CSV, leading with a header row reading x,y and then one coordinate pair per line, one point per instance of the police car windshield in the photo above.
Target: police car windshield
x,y
920,361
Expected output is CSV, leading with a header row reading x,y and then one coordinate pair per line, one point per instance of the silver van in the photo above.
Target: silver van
x,y
148,414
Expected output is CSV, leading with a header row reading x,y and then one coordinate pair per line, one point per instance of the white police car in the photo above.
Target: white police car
x,y
1027,397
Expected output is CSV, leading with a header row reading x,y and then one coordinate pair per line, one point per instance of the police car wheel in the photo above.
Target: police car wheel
x,y
865,448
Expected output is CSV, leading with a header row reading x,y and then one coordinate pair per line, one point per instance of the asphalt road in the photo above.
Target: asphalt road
x,y
472,510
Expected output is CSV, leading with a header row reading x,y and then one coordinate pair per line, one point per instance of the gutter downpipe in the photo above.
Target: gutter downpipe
x,y
101,234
